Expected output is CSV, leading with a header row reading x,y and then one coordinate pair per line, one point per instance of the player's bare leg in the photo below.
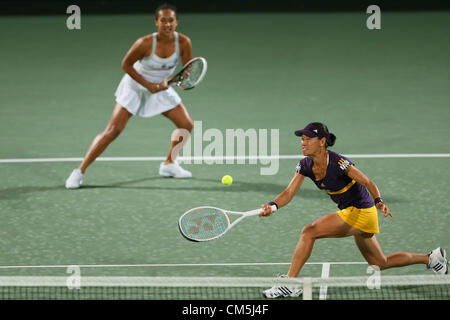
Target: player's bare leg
x,y
371,251
182,120
117,123
328,226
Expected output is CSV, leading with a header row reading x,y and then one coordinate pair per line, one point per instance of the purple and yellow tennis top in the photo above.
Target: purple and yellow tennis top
x,y
341,188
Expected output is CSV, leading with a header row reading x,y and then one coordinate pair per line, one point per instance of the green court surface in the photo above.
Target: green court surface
x,y
380,91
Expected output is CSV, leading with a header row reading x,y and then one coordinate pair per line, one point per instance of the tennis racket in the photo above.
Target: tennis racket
x,y
191,74
209,223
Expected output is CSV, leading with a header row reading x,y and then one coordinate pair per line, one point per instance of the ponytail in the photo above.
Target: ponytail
x,y
331,139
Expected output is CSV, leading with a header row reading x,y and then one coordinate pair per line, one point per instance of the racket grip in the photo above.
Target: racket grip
x,y
259,211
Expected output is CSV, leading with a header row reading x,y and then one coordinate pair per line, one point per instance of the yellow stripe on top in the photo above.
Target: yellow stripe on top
x,y
343,189
344,164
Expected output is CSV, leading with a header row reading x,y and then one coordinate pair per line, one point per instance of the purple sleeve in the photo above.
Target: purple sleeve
x,y
303,167
344,163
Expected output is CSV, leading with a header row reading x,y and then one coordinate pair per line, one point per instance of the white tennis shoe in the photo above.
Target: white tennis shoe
x,y
75,179
438,261
283,291
173,170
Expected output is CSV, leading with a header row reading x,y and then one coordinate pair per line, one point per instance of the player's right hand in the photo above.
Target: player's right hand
x,y
266,210
187,72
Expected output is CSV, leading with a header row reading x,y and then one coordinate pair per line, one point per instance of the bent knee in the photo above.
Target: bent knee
x,y
380,264
309,231
111,132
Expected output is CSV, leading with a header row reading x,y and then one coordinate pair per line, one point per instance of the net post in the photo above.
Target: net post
x,y
307,288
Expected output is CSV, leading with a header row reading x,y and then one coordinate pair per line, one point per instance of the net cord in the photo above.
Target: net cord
x,y
91,281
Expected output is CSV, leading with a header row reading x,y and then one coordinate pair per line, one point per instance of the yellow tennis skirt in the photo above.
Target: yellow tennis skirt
x,y
362,219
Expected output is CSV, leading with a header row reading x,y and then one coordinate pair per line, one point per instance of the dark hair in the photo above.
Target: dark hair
x,y
164,6
331,138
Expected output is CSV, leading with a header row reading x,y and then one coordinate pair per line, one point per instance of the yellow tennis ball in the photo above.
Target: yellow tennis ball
x,y
227,180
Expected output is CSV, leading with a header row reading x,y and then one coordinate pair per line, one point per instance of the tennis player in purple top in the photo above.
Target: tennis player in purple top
x,y
357,198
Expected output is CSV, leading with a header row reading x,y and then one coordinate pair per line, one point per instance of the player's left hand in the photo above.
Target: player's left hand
x,y
384,209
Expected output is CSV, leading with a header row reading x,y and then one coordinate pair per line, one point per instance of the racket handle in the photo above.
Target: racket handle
x,y
258,211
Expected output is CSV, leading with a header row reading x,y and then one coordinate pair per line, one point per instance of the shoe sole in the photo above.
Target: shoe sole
x,y
283,296
73,186
170,175
444,254
264,295
165,174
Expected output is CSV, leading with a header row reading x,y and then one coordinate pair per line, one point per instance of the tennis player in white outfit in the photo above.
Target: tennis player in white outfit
x,y
143,91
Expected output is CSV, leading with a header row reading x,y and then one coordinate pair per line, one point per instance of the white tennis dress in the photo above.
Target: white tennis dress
x,y
137,99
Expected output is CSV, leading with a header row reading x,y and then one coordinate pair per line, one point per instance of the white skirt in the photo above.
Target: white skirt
x,y
139,101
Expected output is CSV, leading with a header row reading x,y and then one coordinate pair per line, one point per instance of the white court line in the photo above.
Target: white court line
x,y
274,157
175,265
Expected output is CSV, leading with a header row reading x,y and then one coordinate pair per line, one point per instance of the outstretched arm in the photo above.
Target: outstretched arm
x,y
286,196
363,180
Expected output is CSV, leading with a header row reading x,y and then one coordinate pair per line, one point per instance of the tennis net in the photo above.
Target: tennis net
x,y
419,287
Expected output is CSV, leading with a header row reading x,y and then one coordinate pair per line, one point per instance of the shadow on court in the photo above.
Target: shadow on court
x,y
208,185
12,193
174,185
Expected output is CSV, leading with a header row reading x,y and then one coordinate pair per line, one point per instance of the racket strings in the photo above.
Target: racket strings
x,y
204,224
195,70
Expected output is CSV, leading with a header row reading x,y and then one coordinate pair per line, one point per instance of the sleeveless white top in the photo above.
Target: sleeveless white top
x,y
137,99
156,69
